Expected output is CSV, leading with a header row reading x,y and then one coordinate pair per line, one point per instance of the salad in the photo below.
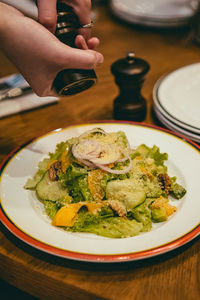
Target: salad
x,y
96,183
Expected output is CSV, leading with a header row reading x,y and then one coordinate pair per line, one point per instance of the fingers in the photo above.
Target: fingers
x,y
80,59
92,43
82,8
47,14
85,32
80,42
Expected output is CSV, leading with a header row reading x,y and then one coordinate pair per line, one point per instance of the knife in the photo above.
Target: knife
x,y
15,92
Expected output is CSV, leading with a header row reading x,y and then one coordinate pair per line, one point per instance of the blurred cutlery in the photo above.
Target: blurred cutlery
x,y
15,92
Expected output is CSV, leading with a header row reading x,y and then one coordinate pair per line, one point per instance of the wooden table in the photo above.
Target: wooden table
x,y
171,276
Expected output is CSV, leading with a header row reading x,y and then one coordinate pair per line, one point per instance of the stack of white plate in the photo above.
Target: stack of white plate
x,y
176,101
156,13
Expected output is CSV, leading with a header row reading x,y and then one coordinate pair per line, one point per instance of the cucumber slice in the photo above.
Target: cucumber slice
x,y
125,192
32,182
50,190
134,198
42,168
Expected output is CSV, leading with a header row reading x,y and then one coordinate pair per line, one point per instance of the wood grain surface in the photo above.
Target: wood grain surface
x,y
175,275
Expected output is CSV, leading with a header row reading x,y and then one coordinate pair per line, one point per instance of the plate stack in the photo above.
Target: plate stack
x,y
176,101
155,13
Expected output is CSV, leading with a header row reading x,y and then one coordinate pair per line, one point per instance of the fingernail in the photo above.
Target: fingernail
x,y
100,58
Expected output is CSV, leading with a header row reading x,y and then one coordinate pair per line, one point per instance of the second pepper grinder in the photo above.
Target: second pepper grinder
x,y
129,75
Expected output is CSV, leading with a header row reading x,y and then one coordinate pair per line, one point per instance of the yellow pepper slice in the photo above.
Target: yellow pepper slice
x,y
65,160
67,215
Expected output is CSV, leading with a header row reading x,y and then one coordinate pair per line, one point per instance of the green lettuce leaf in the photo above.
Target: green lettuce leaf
x,y
158,157
76,180
113,227
42,168
142,214
60,148
51,208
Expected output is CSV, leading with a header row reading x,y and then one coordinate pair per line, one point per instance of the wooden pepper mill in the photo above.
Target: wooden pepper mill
x,y
70,81
129,75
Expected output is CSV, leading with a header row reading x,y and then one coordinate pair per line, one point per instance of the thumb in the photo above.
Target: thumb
x,y
81,59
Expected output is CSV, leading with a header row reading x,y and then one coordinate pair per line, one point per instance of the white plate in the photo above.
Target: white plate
x,y
178,12
149,22
164,113
174,127
178,94
21,212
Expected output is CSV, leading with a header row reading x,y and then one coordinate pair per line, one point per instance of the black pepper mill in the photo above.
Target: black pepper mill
x,y
129,75
70,81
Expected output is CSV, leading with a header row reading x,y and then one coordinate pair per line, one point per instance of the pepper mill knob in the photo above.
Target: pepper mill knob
x,y
129,75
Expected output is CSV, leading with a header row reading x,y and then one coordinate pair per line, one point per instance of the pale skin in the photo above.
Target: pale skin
x,y
37,53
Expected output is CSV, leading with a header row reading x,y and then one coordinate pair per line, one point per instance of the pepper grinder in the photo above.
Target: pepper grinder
x,y
129,75
70,81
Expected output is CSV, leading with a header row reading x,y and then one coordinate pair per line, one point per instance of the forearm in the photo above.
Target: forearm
x,y
20,33
6,12
25,43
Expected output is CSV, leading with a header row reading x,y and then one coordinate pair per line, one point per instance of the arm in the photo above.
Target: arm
x,y
37,53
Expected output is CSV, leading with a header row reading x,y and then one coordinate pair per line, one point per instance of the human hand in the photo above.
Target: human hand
x,y
37,53
47,16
